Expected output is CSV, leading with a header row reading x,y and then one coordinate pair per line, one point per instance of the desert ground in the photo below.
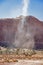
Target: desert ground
x,y
29,57
25,62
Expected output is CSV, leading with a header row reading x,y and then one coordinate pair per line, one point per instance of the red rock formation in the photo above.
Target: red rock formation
x,y
8,29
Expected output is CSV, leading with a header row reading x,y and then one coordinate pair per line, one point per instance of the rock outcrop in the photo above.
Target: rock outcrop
x,y
34,28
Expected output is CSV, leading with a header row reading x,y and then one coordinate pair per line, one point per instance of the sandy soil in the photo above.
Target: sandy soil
x,y
25,62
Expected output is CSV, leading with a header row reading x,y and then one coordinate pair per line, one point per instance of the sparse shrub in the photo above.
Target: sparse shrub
x,y
0,51
17,51
31,52
15,60
26,54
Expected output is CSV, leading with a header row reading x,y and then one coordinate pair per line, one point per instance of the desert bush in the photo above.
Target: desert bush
x,y
17,51
31,52
15,60
0,51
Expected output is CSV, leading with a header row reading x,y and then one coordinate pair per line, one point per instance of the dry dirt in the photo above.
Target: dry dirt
x,y
25,62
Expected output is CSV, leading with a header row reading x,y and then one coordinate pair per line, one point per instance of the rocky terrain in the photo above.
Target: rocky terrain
x,y
33,26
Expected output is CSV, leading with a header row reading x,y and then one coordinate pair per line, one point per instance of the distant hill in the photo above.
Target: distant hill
x,y
33,26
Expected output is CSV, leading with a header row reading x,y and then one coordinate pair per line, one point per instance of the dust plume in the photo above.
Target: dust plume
x,y
23,36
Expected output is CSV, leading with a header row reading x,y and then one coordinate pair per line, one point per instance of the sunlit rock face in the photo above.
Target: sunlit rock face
x,y
30,37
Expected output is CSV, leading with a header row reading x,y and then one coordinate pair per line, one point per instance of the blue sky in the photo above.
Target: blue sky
x,y
13,8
